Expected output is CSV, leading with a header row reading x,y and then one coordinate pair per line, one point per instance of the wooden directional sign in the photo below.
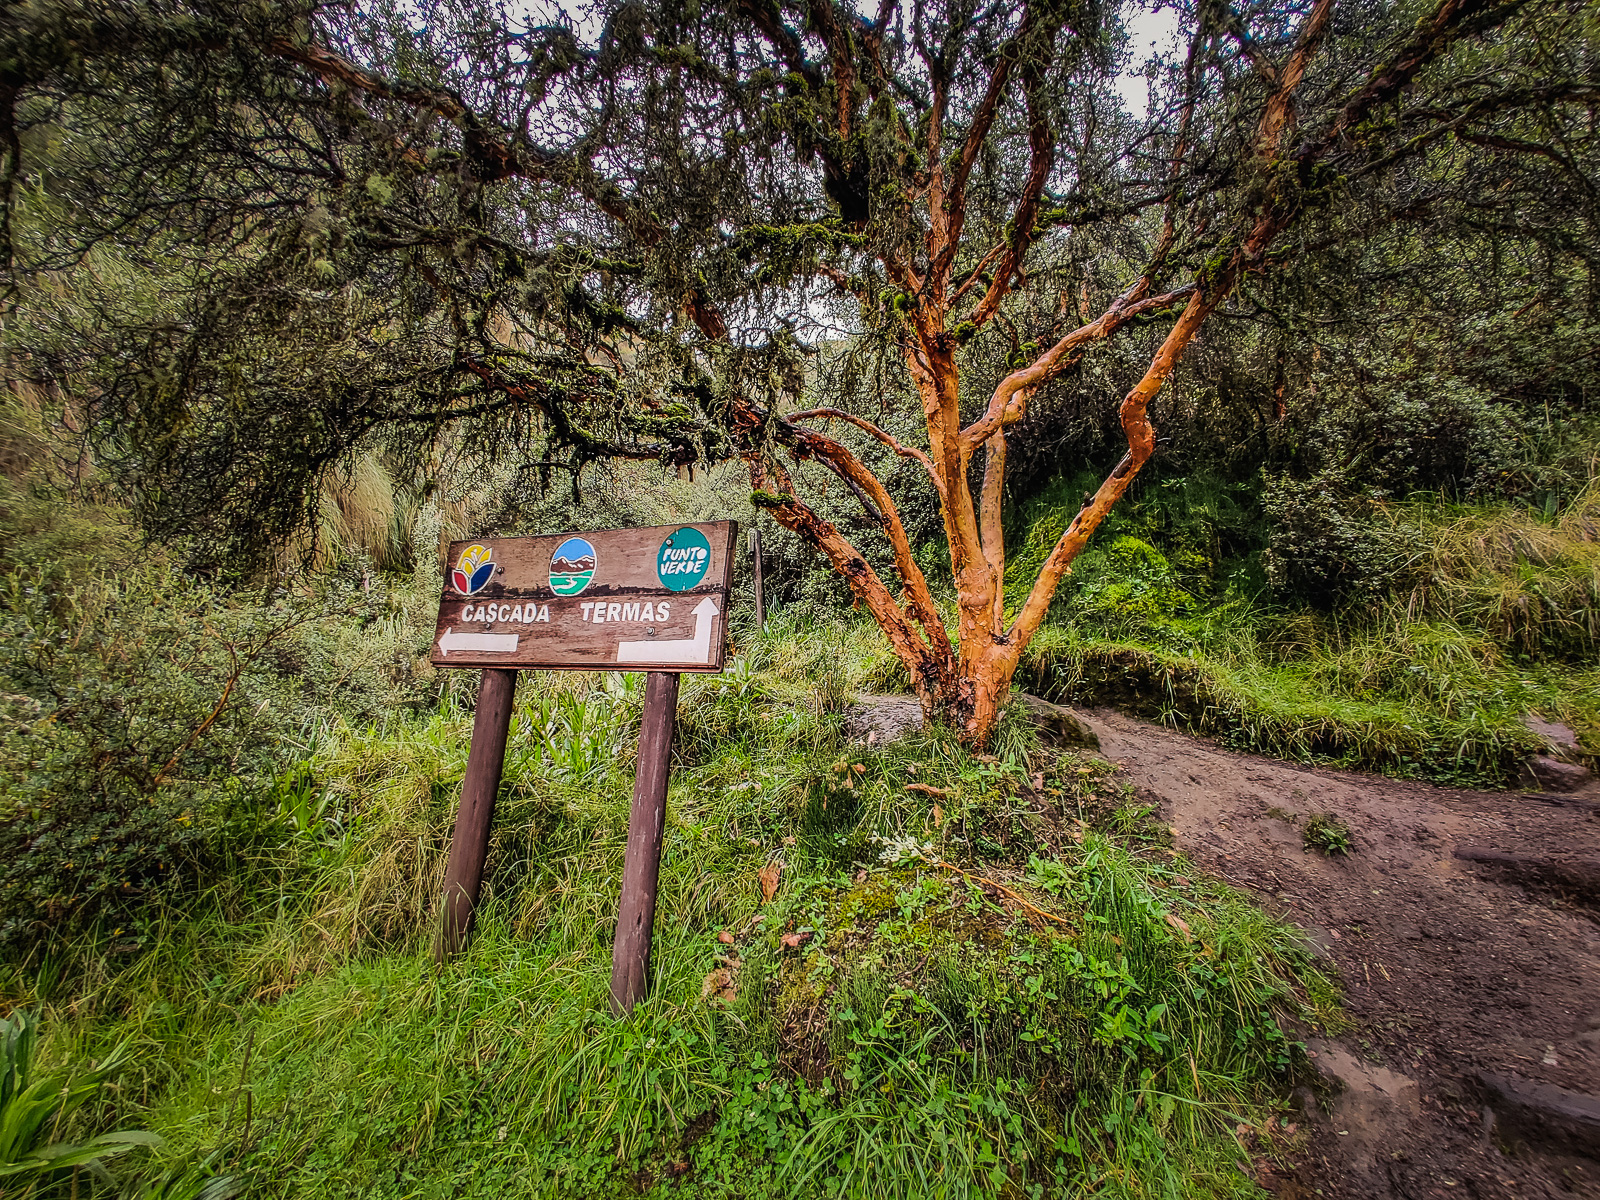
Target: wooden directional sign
x,y
619,600
651,600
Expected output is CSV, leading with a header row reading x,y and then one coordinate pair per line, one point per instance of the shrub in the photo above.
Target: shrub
x,y
135,717
1323,545
1327,833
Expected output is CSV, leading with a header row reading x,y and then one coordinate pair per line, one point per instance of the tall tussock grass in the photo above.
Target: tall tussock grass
x,y
1530,585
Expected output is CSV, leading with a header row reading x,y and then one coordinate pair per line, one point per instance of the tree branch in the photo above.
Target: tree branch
x,y
807,443
982,121
866,426
1141,443
1041,147
1056,359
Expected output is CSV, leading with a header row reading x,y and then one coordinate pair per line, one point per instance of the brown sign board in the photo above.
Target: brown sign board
x,y
614,600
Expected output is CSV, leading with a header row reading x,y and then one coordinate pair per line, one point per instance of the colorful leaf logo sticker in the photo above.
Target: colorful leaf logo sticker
x,y
473,570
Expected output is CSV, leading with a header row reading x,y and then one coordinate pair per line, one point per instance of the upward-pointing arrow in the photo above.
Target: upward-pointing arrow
x,y
694,651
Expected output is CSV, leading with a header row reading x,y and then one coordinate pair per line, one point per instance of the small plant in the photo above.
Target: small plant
x,y
1327,833
33,1107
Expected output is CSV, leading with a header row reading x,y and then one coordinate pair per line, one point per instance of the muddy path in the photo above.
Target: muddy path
x,y
1465,930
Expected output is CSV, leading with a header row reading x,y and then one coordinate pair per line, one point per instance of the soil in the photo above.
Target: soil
x,y
1460,974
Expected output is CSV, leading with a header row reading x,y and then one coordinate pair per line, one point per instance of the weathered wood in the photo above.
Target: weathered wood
x,y
1545,1113
755,575
1581,875
469,845
626,612
641,868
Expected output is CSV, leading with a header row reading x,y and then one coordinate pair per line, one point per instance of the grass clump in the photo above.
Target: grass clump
x,y
1329,835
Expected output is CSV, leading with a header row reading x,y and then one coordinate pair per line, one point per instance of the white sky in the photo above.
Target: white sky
x,y
1156,33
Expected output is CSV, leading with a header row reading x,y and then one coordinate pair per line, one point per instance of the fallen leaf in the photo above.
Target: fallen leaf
x,y
986,758
859,768
769,881
938,817
872,738
791,940
725,937
927,789
789,841
1179,924
715,982
1037,781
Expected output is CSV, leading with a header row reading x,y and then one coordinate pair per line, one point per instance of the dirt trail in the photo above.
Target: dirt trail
x,y
1471,983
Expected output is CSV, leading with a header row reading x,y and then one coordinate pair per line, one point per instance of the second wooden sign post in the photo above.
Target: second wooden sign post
x,y
653,600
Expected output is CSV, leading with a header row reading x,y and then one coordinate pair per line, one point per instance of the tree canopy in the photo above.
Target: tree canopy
x,y
262,237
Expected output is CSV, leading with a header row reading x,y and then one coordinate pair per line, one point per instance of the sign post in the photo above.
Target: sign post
x,y
654,600
641,865
469,845
755,577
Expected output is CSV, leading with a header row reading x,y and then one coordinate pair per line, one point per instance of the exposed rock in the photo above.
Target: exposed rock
x,y
1059,723
1562,741
1544,1112
1553,775
882,718
890,718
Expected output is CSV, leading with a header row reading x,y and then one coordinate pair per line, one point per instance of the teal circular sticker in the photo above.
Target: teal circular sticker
x,y
683,559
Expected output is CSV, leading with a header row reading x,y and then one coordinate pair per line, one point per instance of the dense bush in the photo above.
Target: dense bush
x,y
144,714
138,721
1322,546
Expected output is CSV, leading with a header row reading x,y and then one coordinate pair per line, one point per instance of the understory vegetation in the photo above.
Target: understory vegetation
x,y
880,970
1470,618
1005,982
1246,384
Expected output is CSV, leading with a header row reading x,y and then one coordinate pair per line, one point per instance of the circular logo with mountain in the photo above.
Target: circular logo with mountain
x,y
571,567
683,559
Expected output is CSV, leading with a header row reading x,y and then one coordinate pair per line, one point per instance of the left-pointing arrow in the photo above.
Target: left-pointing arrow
x,y
494,643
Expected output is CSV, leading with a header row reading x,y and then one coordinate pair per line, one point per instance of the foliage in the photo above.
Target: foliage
x,y
34,1105
923,1035
144,712
309,259
1329,834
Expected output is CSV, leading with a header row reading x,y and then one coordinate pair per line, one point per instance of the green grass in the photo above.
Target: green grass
x,y
1472,617
931,1036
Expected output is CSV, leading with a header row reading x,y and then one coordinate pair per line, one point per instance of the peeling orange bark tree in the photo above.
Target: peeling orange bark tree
x,y
968,678
892,115
599,243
